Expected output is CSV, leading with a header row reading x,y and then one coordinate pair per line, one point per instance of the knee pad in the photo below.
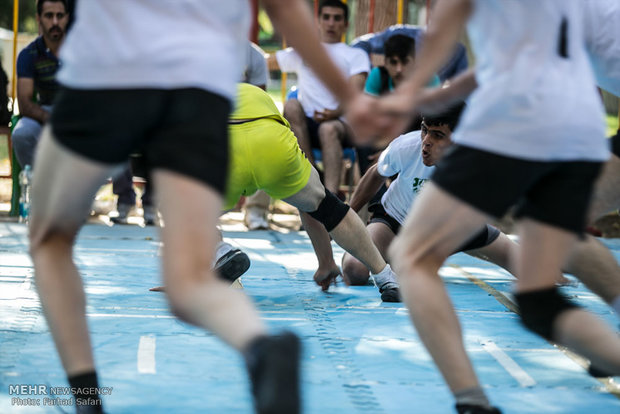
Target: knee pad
x,y
331,211
540,308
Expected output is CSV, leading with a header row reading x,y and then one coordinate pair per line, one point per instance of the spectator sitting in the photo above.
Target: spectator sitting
x,y
315,117
374,44
37,65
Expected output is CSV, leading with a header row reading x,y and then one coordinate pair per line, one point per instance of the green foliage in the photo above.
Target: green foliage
x,y
27,13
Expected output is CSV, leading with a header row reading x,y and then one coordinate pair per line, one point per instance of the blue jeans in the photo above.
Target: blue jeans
x,y
25,138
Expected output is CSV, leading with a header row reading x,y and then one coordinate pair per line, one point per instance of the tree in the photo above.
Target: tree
x,y
27,13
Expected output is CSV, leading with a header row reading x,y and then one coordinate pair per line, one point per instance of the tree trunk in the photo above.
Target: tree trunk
x,y
385,14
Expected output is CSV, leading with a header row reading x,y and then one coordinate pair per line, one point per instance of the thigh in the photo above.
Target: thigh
x,y
64,185
310,196
436,226
190,209
382,236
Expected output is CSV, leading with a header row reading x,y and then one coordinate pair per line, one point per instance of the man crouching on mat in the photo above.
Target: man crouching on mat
x,y
265,156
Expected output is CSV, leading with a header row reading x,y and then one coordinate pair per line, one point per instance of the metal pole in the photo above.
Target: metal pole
x,y
254,27
14,63
371,17
399,13
428,11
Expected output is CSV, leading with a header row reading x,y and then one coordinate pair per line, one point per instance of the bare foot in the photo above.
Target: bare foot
x,y
158,289
325,279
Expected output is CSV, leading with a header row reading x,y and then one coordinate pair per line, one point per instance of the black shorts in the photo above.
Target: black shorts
x,y
181,130
313,134
615,144
556,193
483,238
379,215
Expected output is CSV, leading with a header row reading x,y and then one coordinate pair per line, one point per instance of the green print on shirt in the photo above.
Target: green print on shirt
x,y
418,183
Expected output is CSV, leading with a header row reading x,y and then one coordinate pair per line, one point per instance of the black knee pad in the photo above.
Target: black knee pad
x,y
331,211
540,308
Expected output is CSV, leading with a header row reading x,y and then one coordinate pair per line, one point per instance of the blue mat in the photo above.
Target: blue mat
x,y
360,355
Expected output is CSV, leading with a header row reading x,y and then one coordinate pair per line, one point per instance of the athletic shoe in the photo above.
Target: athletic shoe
x,y
476,409
390,294
273,366
123,213
232,264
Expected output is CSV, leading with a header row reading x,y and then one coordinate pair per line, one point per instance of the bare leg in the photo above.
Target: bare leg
x,y
295,115
195,293
350,233
543,250
592,263
355,272
436,226
331,134
64,186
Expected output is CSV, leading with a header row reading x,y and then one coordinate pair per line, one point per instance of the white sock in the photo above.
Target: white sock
x,y
221,249
385,278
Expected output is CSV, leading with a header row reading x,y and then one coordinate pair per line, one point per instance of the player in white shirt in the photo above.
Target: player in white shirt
x,y
126,86
532,135
412,157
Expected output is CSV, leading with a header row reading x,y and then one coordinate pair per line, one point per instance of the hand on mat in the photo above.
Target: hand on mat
x,y
325,278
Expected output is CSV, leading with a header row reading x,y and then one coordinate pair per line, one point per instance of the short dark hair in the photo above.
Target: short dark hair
x,y
40,5
335,3
399,45
450,116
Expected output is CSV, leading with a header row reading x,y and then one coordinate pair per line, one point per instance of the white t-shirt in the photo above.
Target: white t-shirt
x,y
532,103
312,94
403,157
162,44
603,42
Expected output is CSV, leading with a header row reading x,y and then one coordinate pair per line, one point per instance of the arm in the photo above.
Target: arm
x,y
435,100
27,108
367,187
293,19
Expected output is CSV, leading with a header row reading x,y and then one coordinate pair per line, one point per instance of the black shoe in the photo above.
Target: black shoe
x,y
598,373
273,365
476,409
390,294
232,265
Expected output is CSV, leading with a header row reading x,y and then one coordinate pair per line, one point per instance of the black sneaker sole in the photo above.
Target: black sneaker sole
x,y
232,267
391,295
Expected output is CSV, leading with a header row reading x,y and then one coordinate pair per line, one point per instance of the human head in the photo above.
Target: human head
x,y
52,18
437,133
399,51
333,20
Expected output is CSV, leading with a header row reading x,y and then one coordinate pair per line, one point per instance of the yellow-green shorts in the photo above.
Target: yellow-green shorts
x,y
264,155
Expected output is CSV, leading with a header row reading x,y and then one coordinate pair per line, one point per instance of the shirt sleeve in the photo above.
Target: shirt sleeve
x,y
288,60
25,64
388,163
256,73
373,82
360,62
